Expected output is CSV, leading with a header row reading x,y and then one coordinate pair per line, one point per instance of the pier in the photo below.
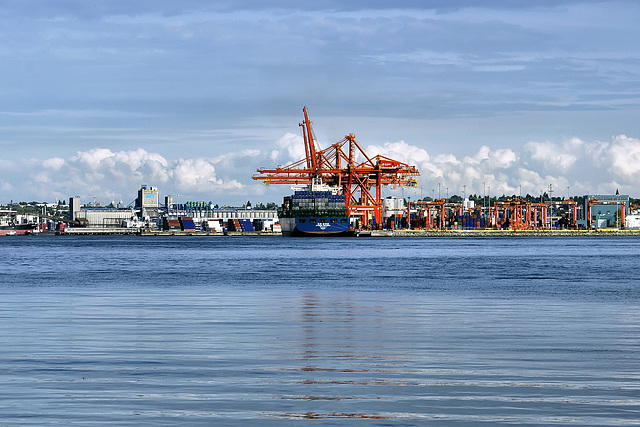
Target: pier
x,y
504,233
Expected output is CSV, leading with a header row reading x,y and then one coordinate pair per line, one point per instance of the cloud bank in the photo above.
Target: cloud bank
x,y
110,175
571,167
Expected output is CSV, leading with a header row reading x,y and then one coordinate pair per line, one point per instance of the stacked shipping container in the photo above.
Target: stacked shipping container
x,y
314,204
470,221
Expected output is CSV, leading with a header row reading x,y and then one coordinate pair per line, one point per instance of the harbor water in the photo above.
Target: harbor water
x,y
281,331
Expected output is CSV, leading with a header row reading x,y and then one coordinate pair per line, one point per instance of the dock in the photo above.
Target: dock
x,y
504,233
104,231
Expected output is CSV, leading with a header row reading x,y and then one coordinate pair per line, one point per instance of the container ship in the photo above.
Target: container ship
x,y
315,210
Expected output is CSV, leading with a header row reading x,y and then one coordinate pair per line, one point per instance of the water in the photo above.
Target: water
x,y
275,331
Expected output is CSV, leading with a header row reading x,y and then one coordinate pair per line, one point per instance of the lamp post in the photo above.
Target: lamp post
x,y
464,197
484,196
550,206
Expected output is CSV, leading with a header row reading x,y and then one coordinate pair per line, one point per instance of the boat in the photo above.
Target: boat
x,y
12,224
13,230
316,209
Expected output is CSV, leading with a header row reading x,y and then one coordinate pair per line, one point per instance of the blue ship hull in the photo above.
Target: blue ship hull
x,y
313,226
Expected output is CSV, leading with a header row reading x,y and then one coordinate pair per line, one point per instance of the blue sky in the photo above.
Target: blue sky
x,y
98,98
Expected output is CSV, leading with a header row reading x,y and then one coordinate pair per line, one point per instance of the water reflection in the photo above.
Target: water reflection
x,y
342,349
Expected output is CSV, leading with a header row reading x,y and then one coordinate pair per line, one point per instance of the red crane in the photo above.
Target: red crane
x,y
344,165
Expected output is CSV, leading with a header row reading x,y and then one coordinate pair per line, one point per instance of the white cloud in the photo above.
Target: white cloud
x,y
501,158
192,174
400,151
93,159
624,153
54,163
290,148
230,160
597,166
101,171
482,154
446,159
572,167
455,175
554,156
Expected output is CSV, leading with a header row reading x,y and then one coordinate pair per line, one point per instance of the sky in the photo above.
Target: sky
x,y
494,97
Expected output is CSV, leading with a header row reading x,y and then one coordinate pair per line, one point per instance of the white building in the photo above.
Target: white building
x,y
632,222
392,206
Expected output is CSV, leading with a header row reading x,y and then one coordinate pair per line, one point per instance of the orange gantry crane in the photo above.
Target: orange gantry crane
x,y
344,165
518,214
433,212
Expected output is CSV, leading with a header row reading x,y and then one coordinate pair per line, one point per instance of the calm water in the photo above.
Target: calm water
x,y
272,331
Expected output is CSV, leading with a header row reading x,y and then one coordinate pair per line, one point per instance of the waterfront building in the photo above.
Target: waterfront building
x,y
74,207
149,214
608,210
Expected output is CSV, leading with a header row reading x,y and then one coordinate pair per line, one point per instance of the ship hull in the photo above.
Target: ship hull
x,y
13,230
316,227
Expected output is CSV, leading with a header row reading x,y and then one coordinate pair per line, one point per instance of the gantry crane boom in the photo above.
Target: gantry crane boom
x,y
309,141
361,182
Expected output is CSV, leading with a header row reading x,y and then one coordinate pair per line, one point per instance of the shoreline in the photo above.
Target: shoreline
x,y
362,233
505,233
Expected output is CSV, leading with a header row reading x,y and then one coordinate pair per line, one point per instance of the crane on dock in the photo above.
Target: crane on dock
x,y
344,165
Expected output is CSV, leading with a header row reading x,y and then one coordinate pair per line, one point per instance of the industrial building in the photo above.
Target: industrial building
x,y
605,211
148,202
147,213
99,217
